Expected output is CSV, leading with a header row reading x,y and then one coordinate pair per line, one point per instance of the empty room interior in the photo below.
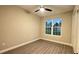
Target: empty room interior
x,y
39,29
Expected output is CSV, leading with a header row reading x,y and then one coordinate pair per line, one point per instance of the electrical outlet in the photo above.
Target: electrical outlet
x,y
3,44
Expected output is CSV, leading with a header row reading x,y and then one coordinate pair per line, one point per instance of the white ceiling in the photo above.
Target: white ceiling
x,y
56,9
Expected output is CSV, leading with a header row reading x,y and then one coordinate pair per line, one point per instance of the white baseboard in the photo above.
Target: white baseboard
x,y
13,47
57,42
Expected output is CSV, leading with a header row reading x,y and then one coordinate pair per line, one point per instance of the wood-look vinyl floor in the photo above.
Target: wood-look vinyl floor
x,y
42,47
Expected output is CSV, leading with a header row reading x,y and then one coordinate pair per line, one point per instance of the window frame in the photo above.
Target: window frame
x,y
52,28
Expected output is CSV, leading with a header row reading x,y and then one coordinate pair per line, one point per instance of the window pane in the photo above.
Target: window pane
x,y
48,30
48,26
57,26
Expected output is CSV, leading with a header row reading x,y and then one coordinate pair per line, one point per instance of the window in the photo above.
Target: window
x,y
53,26
48,26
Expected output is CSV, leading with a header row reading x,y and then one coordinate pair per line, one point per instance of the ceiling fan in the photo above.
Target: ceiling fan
x,y
42,9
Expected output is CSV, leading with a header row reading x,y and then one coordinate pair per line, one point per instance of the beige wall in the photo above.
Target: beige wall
x,y
74,29
78,32
17,26
66,28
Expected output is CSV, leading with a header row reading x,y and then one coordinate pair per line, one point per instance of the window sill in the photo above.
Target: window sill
x,y
53,35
